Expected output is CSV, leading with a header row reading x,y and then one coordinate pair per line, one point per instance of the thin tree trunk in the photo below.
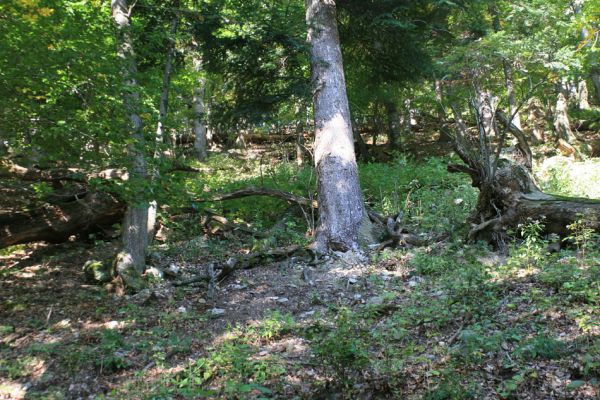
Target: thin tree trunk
x,y
200,131
486,113
566,141
300,149
512,100
343,217
407,119
445,136
166,83
582,96
138,224
393,124
595,75
361,146
536,119
562,126
582,90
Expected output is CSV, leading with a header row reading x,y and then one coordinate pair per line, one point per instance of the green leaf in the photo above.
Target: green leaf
x,y
575,385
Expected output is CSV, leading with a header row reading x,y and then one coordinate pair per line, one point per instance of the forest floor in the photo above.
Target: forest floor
x,y
448,321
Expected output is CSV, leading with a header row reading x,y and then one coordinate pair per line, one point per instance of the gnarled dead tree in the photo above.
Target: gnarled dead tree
x,y
508,193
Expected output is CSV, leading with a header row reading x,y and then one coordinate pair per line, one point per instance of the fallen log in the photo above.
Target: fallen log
x,y
54,223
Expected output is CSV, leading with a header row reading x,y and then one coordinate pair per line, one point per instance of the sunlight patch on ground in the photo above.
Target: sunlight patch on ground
x,y
12,390
562,175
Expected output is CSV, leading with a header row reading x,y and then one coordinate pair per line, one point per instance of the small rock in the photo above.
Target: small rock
x,y
217,312
415,281
98,272
155,273
111,325
142,296
237,287
307,314
201,301
375,301
182,310
282,300
357,296
174,268
352,280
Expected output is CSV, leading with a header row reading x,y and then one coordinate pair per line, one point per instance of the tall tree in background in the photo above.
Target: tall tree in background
x,y
341,207
166,83
139,218
199,110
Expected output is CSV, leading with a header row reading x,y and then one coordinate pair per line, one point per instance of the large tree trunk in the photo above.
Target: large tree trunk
x,y
341,209
138,224
509,196
200,137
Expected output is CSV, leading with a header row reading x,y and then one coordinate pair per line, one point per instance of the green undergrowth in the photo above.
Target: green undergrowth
x,y
423,191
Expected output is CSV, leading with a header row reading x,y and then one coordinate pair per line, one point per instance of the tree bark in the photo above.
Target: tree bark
x,y
200,138
138,224
343,220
